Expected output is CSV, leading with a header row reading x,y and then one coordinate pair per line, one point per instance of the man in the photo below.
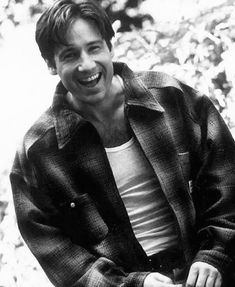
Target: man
x,y
128,179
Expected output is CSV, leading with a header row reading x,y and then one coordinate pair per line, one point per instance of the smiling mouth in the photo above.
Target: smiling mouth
x,y
90,81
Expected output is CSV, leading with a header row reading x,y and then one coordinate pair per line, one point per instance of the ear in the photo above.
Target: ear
x,y
51,68
112,51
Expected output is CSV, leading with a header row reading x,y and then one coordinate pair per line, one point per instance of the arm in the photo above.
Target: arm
x,y
65,263
214,191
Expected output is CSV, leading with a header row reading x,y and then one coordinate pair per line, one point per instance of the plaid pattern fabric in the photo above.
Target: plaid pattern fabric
x,y
67,204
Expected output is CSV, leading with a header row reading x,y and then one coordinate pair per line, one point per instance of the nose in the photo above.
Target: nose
x,y
86,62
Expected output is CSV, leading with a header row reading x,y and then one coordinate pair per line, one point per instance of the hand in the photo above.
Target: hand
x,y
203,275
158,280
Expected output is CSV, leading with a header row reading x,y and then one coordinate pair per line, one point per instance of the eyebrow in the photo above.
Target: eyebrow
x,y
71,47
65,50
95,42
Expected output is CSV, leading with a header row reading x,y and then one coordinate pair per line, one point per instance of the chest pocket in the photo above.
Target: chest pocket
x,y
83,221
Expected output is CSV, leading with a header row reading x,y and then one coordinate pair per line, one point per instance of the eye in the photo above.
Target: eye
x,y
69,56
95,48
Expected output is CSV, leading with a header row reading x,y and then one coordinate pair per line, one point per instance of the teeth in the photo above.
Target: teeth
x,y
91,78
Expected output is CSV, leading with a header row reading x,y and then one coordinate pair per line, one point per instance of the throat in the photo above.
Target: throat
x,y
114,133
115,137
109,119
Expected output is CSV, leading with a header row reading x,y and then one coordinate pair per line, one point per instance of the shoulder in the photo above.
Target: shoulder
x,y
155,79
161,80
42,125
169,91
37,131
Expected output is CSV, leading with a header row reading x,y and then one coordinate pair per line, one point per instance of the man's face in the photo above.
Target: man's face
x,y
85,64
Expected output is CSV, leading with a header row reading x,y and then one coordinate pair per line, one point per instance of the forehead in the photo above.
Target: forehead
x,y
82,31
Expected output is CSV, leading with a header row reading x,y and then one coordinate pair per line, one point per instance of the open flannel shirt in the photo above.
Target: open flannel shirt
x,y
67,204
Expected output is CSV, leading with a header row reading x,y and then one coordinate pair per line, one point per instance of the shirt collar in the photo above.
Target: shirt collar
x,y
138,86
66,121
137,91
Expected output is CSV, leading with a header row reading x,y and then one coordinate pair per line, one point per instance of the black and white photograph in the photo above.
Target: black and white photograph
x,y
117,165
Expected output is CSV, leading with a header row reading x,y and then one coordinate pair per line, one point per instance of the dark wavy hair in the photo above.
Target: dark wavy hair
x,y
54,23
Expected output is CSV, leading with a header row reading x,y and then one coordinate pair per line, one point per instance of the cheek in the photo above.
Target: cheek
x,y
110,71
109,65
65,74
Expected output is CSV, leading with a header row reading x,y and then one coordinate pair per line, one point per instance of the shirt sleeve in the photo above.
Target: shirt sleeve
x,y
214,191
64,262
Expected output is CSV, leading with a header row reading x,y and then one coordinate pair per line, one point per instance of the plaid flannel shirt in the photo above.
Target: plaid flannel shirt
x,y
67,204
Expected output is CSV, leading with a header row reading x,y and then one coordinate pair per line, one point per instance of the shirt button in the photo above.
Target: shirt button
x,y
72,204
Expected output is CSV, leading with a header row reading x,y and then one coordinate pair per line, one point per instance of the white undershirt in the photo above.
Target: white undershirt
x,y
146,205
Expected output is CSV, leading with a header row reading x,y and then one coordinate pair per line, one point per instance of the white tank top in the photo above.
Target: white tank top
x,y
148,210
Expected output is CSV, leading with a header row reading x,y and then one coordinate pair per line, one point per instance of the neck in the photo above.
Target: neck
x,y
104,110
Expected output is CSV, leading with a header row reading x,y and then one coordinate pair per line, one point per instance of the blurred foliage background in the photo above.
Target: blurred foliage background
x,y
193,40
